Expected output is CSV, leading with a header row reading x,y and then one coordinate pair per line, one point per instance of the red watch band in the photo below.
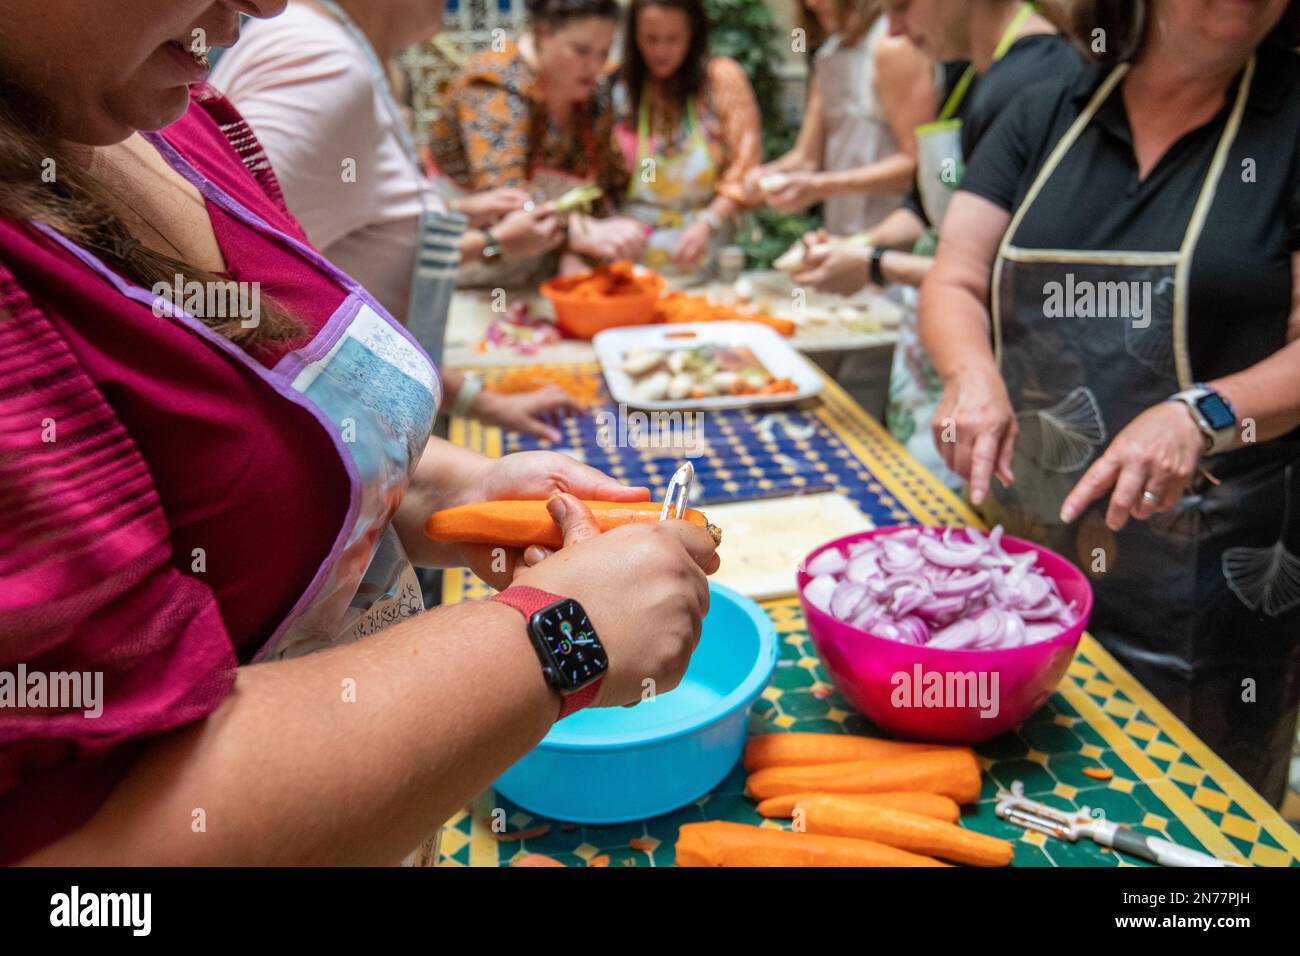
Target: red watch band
x,y
528,601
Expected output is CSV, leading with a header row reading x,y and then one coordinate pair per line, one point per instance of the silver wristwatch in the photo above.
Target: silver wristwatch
x,y
1213,414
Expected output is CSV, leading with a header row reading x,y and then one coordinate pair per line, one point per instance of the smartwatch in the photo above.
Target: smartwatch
x,y
1213,414
877,270
573,659
491,248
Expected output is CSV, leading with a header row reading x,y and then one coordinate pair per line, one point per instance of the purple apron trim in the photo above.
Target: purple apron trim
x,y
282,388
294,362
232,206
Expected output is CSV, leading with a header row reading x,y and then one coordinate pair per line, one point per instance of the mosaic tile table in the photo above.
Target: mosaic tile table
x,y
1165,781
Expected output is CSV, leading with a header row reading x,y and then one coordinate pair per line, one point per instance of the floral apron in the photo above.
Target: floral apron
x,y
1201,603
669,192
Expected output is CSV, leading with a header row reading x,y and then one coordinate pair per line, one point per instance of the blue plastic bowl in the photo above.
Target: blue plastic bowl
x,y
615,764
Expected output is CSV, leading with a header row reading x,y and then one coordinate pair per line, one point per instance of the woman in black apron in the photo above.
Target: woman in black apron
x,y
1127,237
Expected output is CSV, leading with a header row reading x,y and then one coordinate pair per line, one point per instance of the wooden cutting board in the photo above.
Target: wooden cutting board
x,y
763,541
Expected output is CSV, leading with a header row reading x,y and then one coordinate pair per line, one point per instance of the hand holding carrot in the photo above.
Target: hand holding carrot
x,y
644,589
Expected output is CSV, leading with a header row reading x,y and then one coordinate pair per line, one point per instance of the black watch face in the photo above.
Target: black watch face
x,y
1216,412
569,642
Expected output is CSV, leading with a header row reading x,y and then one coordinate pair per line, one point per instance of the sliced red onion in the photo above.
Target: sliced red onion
x,y
818,591
940,587
949,556
830,561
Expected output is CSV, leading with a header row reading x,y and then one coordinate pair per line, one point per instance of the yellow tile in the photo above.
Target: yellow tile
x,y
836,715
771,693
451,842
1163,751
1065,791
520,820
785,721
1099,688
586,851
1037,756
1091,751
808,662
1186,773
1239,827
1081,669
1122,784
649,843
1036,838
1210,799
1154,822
1064,720
1119,708
1269,856
1141,729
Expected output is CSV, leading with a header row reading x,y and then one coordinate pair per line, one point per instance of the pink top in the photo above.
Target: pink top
x,y
162,445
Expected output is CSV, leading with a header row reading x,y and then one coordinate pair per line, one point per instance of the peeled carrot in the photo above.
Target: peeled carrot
x,y
798,750
926,804
721,843
952,773
906,831
518,524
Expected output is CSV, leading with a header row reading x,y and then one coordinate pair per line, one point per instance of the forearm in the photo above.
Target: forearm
x,y
899,230
893,174
472,244
294,769
447,475
903,268
953,326
1267,394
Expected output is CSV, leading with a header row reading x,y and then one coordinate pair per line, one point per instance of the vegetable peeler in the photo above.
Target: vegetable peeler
x,y
676,499
1014,807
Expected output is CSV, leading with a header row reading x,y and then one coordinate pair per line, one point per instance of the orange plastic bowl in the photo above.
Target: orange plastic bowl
x,y
581,318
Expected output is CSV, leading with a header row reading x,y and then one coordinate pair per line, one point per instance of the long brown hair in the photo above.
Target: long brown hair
x,y
80,208
689,79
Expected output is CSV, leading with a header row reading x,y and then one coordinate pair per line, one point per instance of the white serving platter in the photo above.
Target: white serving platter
x,y
768,347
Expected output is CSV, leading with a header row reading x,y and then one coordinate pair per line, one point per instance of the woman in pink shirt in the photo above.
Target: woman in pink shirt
x,y
214,469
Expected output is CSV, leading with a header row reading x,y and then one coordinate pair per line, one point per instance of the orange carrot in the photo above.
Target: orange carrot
x,y
952,773
518,524
534,859
927,804
721,843
906,831
798,750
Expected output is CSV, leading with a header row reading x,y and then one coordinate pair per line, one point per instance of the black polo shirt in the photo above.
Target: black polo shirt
x,y
1239,293
1029,60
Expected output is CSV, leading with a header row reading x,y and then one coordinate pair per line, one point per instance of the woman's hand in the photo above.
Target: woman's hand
x,y
1157,452
530,475
525,233
527,412
644,588
801,189
975,428
693,244
616,237
485,208
839,267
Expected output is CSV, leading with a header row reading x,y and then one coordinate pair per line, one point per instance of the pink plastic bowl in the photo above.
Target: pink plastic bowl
x,y
865,666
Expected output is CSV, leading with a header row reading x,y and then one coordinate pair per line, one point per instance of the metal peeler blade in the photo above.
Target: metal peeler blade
x,y
679,490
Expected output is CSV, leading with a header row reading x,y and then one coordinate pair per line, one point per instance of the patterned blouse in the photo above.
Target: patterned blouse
x,y
493,129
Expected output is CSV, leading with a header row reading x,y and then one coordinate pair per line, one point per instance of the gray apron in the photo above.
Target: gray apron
x,y
1201,603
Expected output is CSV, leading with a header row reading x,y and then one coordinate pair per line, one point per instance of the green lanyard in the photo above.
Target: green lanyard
x,y
1008,37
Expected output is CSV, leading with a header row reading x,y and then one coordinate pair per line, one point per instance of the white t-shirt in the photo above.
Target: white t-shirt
x,y
306,88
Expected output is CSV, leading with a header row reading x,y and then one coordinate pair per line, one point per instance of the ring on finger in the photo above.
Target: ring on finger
x,y
1150,497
